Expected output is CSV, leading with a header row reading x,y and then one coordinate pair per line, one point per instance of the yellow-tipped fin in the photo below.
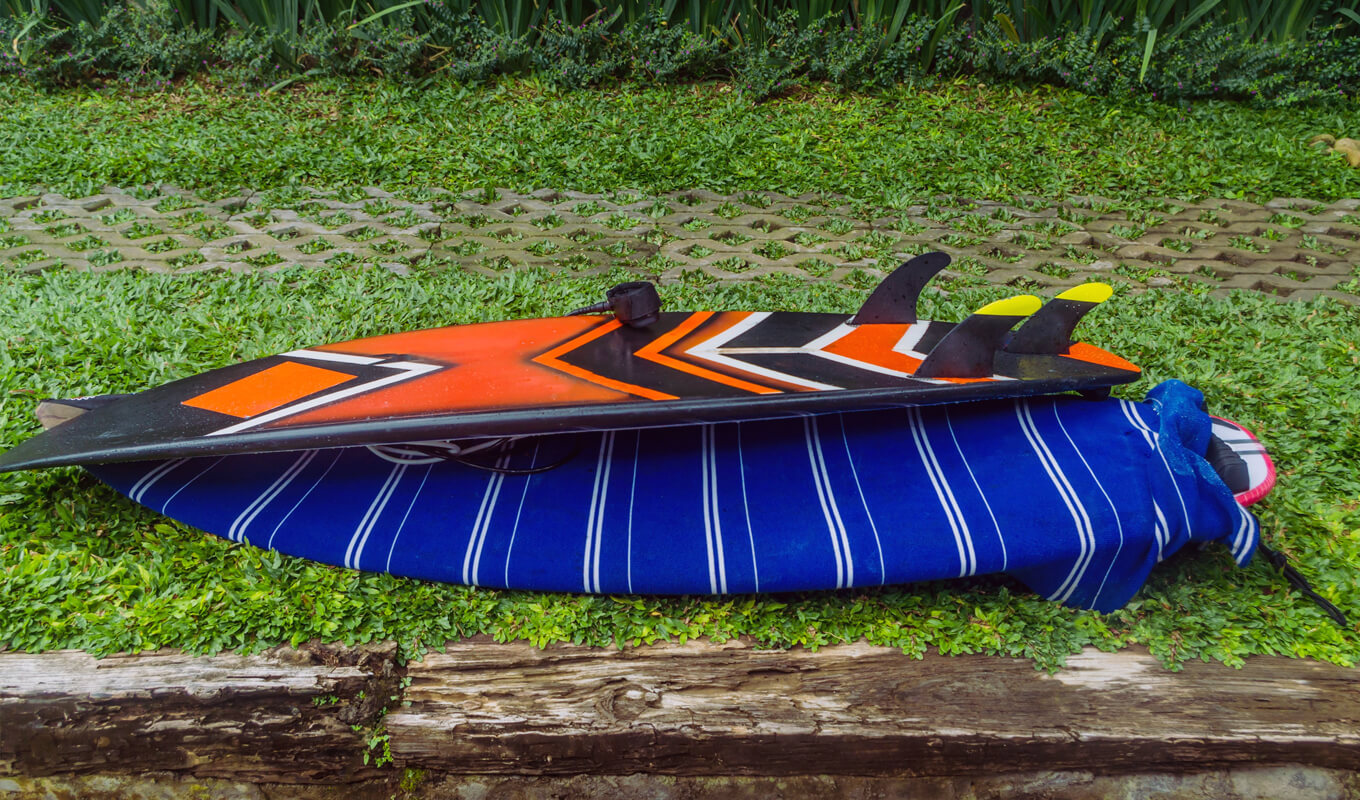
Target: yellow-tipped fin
x,y
1088,293
1019,306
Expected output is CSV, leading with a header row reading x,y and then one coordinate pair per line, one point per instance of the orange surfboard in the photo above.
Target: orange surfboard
x,y
599,371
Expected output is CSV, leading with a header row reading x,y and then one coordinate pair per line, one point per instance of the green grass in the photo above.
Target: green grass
x,y
900,147
82,567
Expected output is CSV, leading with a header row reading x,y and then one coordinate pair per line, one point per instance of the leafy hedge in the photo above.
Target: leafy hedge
x,y
149,47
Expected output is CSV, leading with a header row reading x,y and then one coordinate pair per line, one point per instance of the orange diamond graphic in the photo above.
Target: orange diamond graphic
x,y
268,389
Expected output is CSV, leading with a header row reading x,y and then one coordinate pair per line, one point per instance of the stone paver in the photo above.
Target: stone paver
x,y
1288,247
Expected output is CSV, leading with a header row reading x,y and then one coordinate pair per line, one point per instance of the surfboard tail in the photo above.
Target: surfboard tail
x,y
53,411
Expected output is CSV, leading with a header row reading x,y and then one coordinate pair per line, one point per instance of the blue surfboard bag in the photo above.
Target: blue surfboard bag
x,y
1077,498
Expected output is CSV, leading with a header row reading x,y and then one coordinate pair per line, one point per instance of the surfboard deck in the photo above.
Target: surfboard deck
x,y
1076,498
593,372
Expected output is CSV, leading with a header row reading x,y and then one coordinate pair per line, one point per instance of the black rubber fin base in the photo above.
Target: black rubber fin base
x,y
893,302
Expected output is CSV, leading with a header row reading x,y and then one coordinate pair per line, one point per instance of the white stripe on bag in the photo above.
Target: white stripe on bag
x,y
963,539
237,531
590,578
355,551
1118,524
157,472
1069,497
717,566
840,542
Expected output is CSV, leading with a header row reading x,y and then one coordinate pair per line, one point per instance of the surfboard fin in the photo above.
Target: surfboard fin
x,y
969,349
1049,330
894,301
52,412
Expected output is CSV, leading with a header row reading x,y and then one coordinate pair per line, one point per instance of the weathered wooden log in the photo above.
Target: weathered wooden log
x,y
704,709
697,709
280,717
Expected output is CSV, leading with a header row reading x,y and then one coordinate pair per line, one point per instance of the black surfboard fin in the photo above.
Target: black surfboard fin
x,y
1049,330
969,349
894,301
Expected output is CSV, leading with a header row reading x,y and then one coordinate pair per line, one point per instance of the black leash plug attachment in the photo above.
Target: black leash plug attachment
x,y
635,304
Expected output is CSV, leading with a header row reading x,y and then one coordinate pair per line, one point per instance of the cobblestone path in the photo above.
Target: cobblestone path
x,y
1292,248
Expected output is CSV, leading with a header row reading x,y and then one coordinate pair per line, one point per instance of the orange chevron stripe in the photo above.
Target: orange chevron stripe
x,y
551,359
873,344
1094,355
652,352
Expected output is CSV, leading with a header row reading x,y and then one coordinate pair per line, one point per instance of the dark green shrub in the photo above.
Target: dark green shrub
x,y
466,49
1212,61
661,53
828,50
767,56
137,46
571,56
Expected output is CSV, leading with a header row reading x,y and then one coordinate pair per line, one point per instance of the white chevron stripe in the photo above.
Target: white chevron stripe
x,y
323,355
405,370
911,339
715,351
817,346
712,350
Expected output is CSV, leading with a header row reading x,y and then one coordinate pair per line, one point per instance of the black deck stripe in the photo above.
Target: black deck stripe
x,y
824,370
787,329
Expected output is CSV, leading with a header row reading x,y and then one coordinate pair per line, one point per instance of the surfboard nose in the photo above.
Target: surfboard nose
x,y
1241,461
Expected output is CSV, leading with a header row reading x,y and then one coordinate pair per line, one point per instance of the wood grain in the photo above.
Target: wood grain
x,y
282,717
699,709
730,709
